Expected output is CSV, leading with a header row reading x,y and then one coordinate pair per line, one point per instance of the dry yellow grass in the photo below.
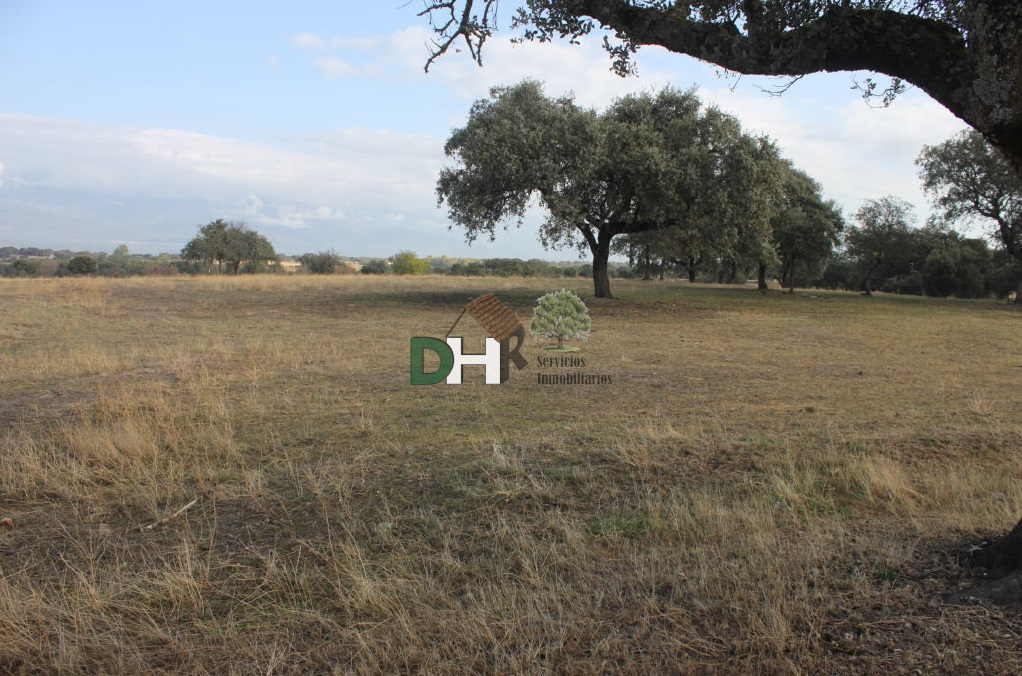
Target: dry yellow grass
x,y
771,484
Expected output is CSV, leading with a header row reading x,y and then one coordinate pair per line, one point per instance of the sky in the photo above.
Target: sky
x,y
314,123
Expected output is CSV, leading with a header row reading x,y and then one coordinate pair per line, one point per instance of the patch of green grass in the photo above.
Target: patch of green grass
x,y
620,525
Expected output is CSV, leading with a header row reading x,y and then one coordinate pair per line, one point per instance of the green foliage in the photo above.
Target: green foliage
x,y
23,267
377,266
806,229
955,266
117,264
647,163
561,315
82,265
322,263
228,242
932,261
800,236
407,263
840,273
209,245
881,242
1004,274
968,179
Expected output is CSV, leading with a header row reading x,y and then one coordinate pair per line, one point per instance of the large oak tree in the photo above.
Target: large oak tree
x,y
646,163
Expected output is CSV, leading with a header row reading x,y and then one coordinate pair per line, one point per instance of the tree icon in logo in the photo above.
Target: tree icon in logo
x,y
560,314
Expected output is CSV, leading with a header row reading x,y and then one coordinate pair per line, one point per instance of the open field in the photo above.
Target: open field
x,y
770,484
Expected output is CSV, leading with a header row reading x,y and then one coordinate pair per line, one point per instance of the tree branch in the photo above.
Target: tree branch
x,y
465,26
843,38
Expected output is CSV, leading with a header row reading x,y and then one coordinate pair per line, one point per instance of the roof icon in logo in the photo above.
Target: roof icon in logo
x,y
496,318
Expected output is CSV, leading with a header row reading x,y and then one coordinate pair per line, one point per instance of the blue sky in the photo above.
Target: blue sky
x,y
134,123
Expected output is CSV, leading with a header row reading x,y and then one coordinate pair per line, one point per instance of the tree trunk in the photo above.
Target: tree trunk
x,y
1018,294
733,272
867,283
691,269
601,255
1001,556
761,282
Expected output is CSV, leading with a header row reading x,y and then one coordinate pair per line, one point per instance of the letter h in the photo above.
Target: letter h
x,y
491,359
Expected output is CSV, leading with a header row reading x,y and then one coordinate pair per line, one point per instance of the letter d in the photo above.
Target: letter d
x,y
418,350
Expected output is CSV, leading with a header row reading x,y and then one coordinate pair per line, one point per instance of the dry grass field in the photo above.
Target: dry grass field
x,y
234,475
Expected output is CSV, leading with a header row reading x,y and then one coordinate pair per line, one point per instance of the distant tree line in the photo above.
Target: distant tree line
x,y
40,262
408,263
880,250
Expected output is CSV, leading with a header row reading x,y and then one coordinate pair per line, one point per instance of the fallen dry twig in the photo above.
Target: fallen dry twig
x,y
172,516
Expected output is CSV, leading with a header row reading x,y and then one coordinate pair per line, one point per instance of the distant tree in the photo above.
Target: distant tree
x,y
881,243
209,245
561,315
121,251
228,242
646,163
377,266
536,267
23,267
841,272
82,265
956,266
968,179
248,246
322,263
407,263
1005,272
806,229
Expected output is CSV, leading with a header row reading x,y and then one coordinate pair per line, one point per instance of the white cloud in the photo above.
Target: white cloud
x,y
335,68
308,41
287,215
357,44
345,179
